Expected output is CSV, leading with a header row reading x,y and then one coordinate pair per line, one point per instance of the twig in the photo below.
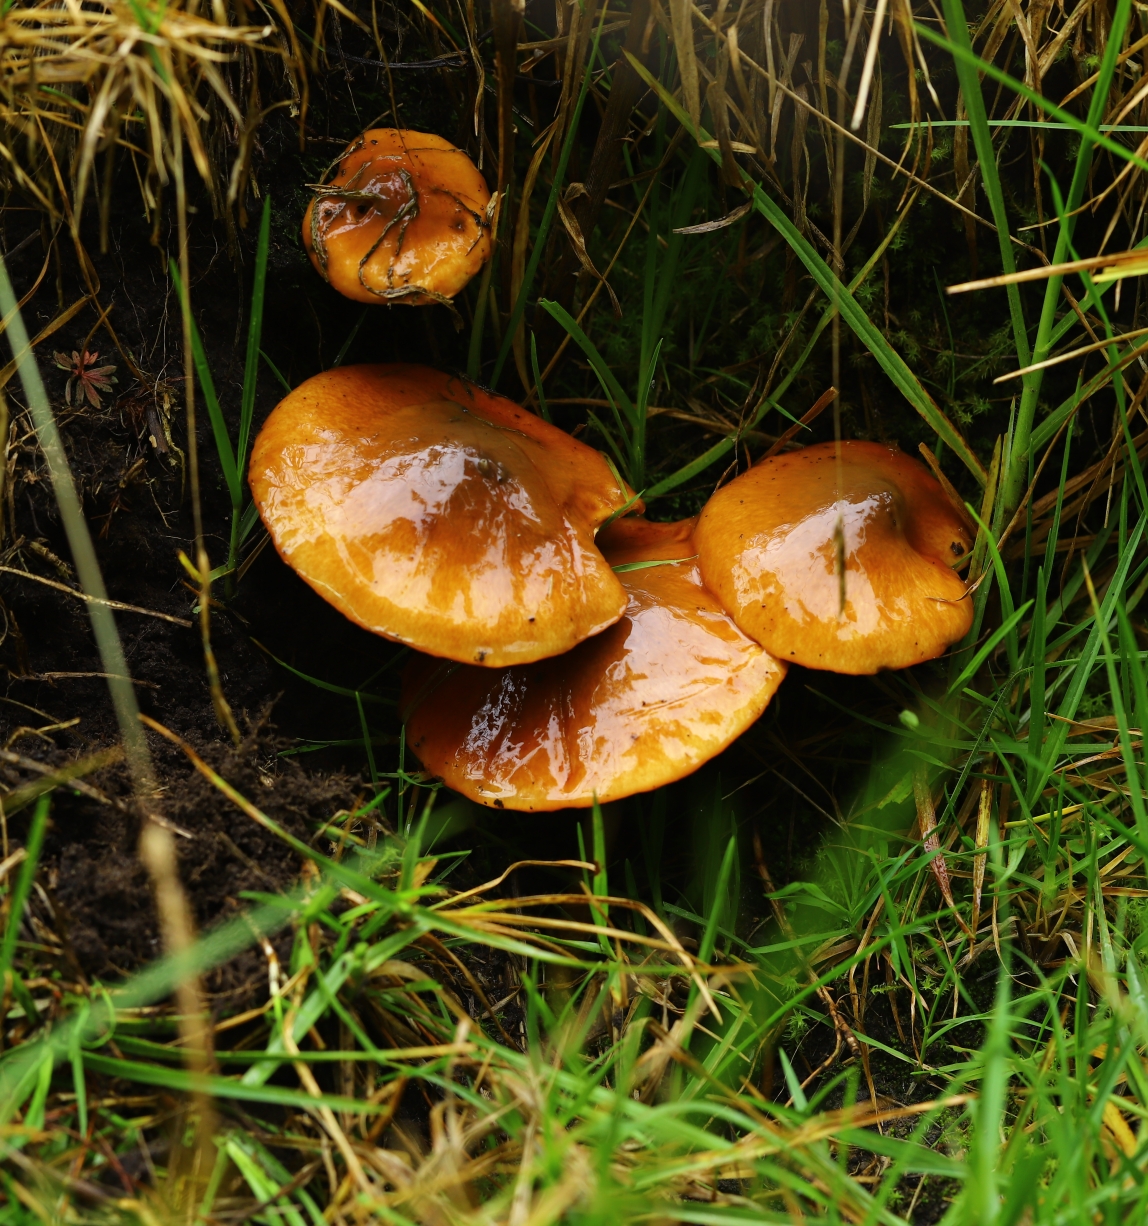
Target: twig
x,y
819,405
97,600
77,785
153,685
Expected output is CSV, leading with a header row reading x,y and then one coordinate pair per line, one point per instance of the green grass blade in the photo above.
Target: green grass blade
x,y
981,1199
346,692
999,635
23,886
76,1060
1138,685
247,521
600,882
543,407
275,371
1011,642
547,214
688,471
78,535
606,376
254,336
1085,128
1035,649
366,740
344,348
19,1066
967,60
1132,765
1054,529
955,20
659,290
1094,296
720,902
1081,672
214,410
629,448
851,310
183,1081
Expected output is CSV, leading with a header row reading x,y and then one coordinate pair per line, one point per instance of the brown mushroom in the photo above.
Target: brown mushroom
x,y
770,548
405,219
438,514
643,703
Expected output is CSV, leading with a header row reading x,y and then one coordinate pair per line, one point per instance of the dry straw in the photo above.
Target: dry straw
x,y
83,83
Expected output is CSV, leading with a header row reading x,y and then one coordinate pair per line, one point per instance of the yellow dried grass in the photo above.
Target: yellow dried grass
x,y
79,81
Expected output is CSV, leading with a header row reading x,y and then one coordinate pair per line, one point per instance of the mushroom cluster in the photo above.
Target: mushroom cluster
x,y
561,657
567,649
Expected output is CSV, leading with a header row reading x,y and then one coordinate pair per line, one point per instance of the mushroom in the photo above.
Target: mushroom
x,y
643,703
438,514
407,218
840,562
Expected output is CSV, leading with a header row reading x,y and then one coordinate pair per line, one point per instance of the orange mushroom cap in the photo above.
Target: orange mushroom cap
x,y
438,514
768,547
643,703
405,219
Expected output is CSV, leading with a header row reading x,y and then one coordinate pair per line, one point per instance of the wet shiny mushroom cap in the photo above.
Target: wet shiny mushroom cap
x,y
768,547
405,219
438,514
643,703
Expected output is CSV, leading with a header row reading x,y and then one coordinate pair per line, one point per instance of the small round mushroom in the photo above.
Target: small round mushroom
x,y
768,546
643,703
438,514
405,219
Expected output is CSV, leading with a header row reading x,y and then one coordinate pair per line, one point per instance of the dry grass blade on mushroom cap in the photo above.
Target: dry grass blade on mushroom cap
x,y
406,219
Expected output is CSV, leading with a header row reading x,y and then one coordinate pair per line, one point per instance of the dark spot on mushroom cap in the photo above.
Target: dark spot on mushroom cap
x,y
957,548
492,470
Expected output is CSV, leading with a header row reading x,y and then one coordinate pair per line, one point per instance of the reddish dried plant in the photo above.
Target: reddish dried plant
x,y
85,379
